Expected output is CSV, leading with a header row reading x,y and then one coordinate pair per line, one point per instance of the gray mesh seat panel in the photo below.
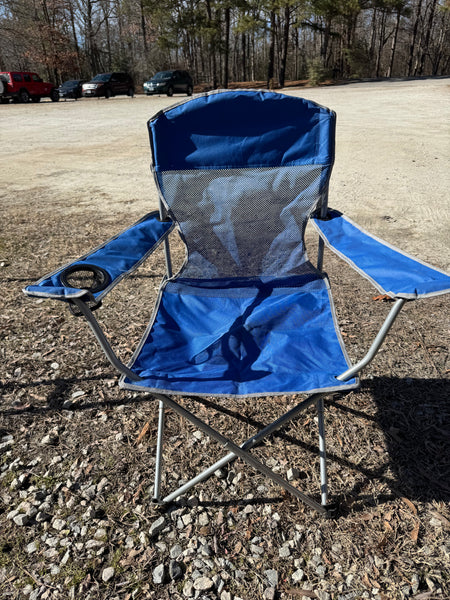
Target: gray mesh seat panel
x,y
243,222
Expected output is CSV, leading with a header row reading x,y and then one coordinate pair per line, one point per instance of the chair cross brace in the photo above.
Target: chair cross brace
x,y
238,451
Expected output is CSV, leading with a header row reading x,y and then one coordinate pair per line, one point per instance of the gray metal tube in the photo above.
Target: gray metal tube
x,y
159,450
322,453
379,339
106,347
168,258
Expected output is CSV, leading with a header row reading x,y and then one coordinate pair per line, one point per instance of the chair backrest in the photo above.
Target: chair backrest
x,y
241,172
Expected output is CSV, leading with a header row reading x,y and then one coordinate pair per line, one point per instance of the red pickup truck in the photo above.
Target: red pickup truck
x,y
23,86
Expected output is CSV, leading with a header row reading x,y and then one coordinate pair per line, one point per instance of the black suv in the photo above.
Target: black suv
x,y
109,84
169,82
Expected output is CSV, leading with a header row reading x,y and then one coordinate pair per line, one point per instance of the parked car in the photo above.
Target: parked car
x,y
71,89
3,83
109,84
23,86
170,83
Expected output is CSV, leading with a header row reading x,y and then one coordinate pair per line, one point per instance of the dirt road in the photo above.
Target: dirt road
x,y
392,172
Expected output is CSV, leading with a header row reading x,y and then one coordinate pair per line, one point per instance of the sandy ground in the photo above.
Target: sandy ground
x,y
391,173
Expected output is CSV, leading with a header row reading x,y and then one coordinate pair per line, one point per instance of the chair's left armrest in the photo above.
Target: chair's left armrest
x,y
389,269
105,266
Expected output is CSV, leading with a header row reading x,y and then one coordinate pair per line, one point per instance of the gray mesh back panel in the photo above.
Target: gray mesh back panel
x,y
243,222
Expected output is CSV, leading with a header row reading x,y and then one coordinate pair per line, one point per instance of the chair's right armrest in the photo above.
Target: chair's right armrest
x,y
390,270
105,266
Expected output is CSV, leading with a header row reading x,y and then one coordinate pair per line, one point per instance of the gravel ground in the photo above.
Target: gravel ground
x,y
77,453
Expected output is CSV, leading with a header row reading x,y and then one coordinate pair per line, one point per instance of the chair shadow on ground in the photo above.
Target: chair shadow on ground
x,y
413,415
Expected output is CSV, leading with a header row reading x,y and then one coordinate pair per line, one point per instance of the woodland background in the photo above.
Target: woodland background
x,y
223,41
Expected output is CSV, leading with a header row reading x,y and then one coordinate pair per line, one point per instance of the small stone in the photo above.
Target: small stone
x,y
159,574
102,484
157,526
50,439
175,570
254,549
298,575
31,547
206,550
284,552
32,512
187,519
272,577
188,589
10,516
42,516
292,474
203,519
203,584
269,593
90,492
143,539
59,524
175,551
6,445
21,520
225,595
321,571
108,574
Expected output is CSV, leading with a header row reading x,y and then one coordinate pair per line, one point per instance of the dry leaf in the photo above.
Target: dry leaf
x,y
415,533
143,432
382,298
410,505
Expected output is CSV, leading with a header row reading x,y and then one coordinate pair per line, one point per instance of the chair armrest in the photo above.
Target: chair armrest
x,y
389,269
108,263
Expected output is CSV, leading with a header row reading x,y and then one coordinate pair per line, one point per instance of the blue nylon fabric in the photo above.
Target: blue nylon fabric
x,y
117,256
397,274
242,129
242,338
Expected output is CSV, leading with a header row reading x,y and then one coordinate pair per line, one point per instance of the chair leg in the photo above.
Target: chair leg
x,y
159,450
322,453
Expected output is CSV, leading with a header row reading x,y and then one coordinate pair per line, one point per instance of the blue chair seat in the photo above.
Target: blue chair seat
x,y
243,338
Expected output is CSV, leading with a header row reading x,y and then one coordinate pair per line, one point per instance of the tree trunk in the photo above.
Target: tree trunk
x,y
412,47
143,26
287,23
227,47
381,42
271,62
427,38
394,45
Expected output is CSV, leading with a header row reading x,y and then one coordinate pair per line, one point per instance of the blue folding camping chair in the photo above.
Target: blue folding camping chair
x,y
239,175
